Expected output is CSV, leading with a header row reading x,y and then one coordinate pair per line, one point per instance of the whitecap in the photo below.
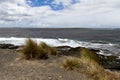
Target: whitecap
x,y
62,42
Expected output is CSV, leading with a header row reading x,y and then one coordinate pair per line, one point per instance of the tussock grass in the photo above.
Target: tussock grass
x,y
33,51
48,49
88,55
112,75
71,63
88,64
30,49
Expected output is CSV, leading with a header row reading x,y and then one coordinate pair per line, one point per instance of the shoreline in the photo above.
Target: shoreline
x,y
107,61
12,67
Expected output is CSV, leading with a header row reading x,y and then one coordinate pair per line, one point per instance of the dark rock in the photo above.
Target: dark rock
x,y
95,50
13,47
110,62
63,50
8,46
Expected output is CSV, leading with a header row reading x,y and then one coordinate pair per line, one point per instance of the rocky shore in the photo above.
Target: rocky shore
x,y
13,68
108,62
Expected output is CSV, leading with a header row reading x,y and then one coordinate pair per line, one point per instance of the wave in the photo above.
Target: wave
x,y
111,48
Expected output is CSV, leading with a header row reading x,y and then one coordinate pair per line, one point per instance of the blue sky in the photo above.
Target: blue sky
x,y
60,13
59,6
38,3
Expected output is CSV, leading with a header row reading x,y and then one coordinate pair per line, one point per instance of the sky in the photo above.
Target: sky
x,y
60,13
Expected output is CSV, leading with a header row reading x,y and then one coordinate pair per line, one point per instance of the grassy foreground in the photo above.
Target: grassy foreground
x,y
87,63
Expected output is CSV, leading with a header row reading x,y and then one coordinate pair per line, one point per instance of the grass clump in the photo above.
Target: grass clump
x,y
32,51
88,64
48,49
71,63
88,55
91,69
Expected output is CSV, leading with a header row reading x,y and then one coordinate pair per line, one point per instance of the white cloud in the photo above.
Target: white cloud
x,y
86,13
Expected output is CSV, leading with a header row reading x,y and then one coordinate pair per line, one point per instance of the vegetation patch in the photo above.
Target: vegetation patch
x,y
33,51
71,63
48,49
88,64
88,55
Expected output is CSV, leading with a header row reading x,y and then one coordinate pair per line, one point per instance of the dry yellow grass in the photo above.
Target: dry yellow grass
x,y
32,51
71,63
48,49
88,55
88,64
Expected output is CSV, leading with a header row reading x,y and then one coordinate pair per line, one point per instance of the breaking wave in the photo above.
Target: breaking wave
x,y
106,48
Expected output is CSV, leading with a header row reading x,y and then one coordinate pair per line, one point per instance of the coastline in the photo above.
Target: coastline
x,y
12,67
108,61
51,68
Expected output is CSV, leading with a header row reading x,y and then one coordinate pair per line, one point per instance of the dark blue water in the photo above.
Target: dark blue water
x,y
107,40
90,35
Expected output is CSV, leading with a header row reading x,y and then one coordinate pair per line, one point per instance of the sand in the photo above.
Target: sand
x,y
12,68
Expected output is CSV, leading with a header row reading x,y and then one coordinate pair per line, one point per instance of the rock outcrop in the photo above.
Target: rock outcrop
x,y
8,46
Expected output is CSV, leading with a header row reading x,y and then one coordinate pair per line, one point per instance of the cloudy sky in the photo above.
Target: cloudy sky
x,y
60,13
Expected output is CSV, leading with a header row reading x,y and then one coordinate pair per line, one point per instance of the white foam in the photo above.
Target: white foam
x,y
54,42
60,42
103,53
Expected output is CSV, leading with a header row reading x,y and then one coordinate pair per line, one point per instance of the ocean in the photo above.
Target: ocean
x,y
107,40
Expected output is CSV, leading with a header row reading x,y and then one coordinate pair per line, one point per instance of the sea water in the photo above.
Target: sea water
x,y
106,40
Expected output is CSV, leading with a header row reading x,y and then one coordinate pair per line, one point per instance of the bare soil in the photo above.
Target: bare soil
x,y
12,68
